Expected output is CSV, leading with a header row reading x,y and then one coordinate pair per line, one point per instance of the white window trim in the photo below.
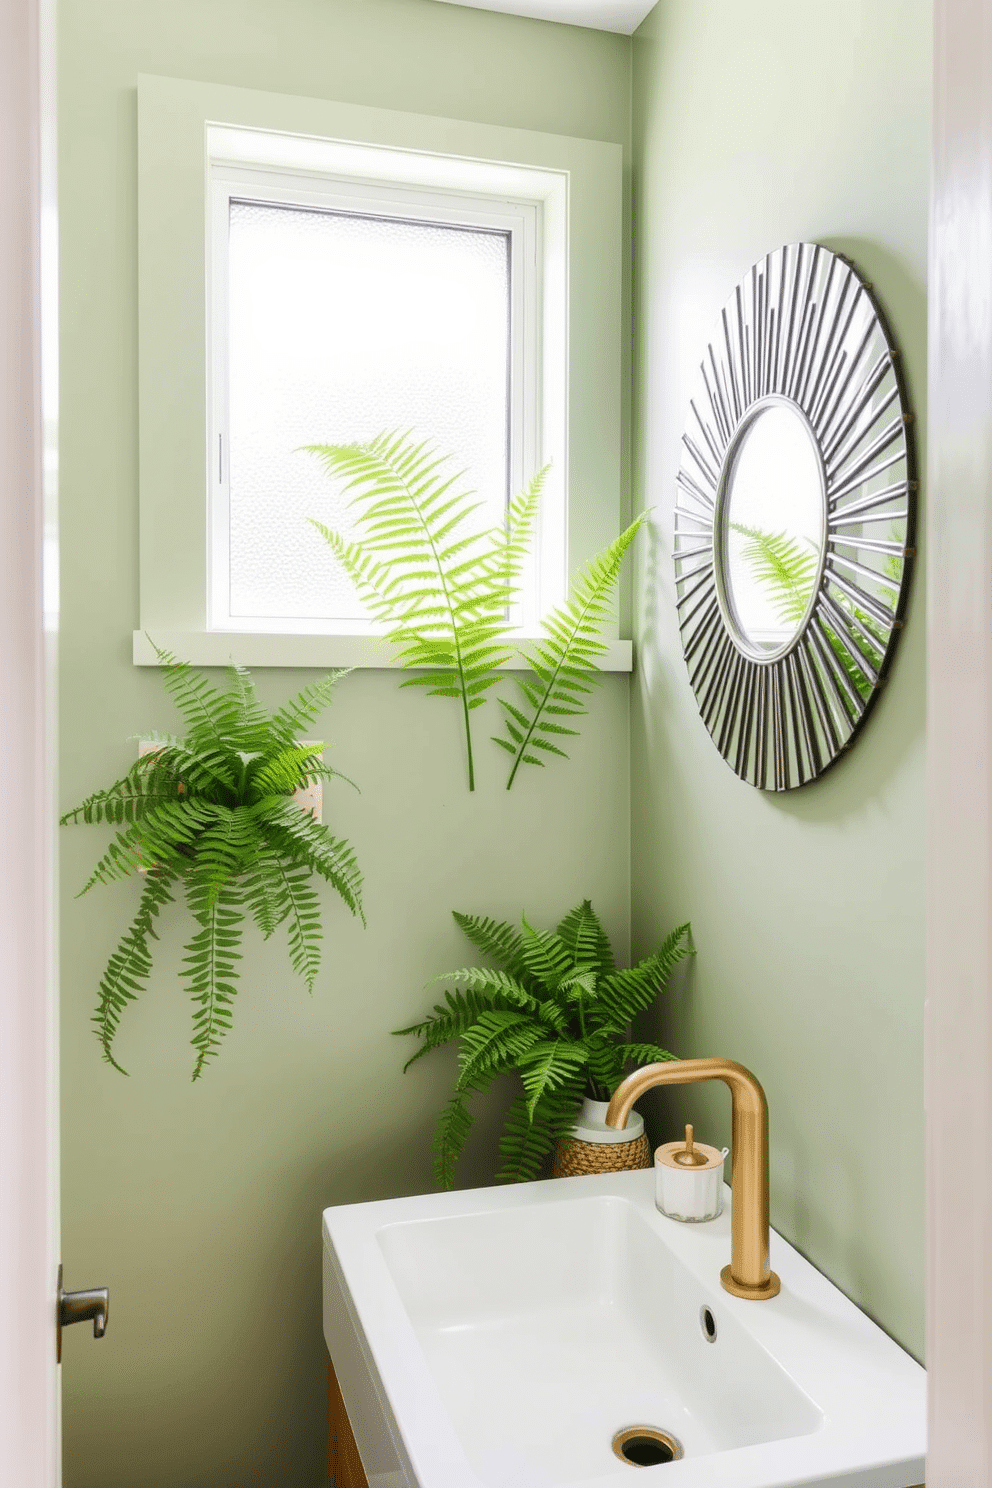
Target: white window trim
x,y
577,184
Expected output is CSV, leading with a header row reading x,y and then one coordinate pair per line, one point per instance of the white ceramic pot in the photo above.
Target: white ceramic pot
x,y
591,1125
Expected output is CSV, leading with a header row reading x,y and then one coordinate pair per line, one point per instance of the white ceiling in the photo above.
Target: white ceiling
x,y
603,15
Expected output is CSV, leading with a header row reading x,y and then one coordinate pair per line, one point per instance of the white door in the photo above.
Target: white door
x,y
29,1431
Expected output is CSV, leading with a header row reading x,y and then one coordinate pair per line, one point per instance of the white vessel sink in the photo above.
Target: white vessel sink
x,y
500,1338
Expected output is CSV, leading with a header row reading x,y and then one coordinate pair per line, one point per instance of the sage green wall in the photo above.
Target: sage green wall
x,y
756,125
200,1205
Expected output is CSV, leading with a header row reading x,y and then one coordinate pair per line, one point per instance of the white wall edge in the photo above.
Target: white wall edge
x,y
218,648
958,1027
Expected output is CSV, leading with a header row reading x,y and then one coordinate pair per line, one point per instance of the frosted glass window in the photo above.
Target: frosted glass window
x,y
341,326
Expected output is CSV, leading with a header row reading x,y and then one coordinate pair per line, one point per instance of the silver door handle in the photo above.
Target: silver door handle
x,y
79,1307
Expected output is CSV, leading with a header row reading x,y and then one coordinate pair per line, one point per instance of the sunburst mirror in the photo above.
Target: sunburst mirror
x,y
794,517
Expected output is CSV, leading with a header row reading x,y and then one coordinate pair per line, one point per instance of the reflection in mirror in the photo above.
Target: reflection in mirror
x,y
794,517
772,521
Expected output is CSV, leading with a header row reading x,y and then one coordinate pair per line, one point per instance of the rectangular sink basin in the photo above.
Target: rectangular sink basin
x,y
503,1337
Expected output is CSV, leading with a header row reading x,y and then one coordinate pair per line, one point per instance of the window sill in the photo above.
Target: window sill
x,y
321,652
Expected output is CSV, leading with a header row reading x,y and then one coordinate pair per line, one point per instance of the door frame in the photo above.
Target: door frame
x,y
29,1409
958,1037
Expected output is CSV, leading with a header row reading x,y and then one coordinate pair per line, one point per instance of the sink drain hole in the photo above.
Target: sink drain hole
x,y
646,1446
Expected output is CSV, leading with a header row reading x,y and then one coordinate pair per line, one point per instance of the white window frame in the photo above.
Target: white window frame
x,y
186,131
312,173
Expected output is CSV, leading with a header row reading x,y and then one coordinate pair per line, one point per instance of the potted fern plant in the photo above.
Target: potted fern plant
x,y
213,813
554,1013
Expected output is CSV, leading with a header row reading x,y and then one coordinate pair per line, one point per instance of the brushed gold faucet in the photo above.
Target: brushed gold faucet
x,y
748,1274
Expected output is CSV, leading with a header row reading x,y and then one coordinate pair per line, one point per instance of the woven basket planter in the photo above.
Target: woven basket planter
x,y
571,1159
595,1148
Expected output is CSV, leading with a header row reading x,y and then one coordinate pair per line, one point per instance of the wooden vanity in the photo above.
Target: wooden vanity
x,y
344,1465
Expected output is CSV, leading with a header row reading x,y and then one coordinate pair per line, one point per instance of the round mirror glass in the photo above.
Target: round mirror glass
x,y
772,529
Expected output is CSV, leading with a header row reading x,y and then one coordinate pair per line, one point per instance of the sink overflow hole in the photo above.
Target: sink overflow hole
x,y
708,1324
646,1446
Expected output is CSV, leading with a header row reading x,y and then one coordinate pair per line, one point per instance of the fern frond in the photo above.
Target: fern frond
x,y
527,1141
494,938
439,585
585,939
641,1054
524,1145
511,543
302,711
453,1128
606,1064
163,838
782,566
303,915
564,663
287,770
871,650
630,990
308,844
213,772
547,1067
130,965
223,852
580,984
243,719
545,956
210,961
494,1043
127,800
868,641
265,892
499,984
448,1021
201,705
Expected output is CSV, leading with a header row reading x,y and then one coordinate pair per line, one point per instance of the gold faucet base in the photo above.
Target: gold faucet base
x,y
771,1287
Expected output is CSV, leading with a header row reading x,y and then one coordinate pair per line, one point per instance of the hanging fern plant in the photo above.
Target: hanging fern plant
x,y
443,589
213,813
555,1013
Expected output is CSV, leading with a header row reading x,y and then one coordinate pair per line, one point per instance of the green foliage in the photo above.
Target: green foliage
x,y
787,572
213,811
440,586
783,567
555,1013
564,662
443,589
842,650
